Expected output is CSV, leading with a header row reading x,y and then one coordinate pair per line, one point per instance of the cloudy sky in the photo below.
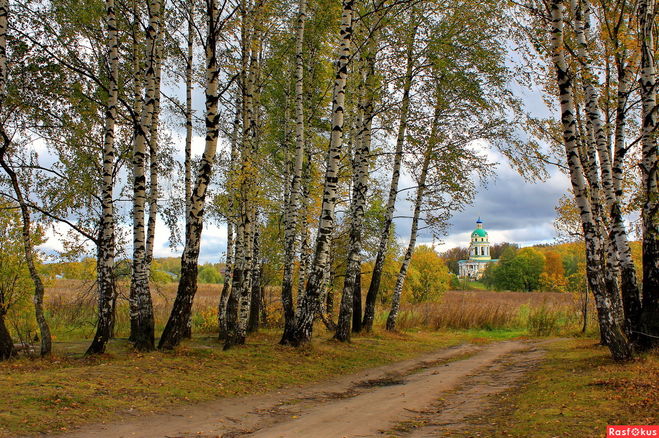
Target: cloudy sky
x,y
512,209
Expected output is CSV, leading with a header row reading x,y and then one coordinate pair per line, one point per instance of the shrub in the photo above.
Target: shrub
x,y
161,277
205,321
427,278
543,321
521,272
209,274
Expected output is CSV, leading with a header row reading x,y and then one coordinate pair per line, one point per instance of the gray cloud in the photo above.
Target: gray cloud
x,y
511,208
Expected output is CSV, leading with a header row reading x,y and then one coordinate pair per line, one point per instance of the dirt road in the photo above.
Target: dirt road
x,y
428,396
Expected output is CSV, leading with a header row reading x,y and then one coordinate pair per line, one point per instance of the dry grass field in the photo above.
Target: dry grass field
x,y
71,308
543,313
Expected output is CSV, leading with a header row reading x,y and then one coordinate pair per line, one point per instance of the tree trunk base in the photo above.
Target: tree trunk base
x,y
391,323
7,349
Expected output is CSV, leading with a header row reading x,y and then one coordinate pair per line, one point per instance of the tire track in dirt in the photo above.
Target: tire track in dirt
x,y
367,403
373,412
463,411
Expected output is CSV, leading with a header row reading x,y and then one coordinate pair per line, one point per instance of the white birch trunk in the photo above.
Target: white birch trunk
x,y
153,156
188,110
177,323
612,331
231,239
254,305
309,304
592,175
142,320
631,294
106,242
245,289
305,228
226,287
241,284
292,209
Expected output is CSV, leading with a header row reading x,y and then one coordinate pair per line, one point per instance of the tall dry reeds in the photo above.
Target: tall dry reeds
x,y
541,313
71,308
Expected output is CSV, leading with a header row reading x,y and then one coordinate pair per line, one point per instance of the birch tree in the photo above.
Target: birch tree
x,y
374,286
230,218
618,251
189,59
595,251
28,246
70,94
293,207
351,296
154,161
309,303
187,288
625,62
421,187
241,287
142,319
5,150
106,244
13,284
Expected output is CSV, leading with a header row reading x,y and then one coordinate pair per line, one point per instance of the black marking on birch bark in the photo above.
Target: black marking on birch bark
x,y
309,305
615,338
180,315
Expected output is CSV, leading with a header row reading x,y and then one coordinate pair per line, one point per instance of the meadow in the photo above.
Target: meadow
x,y
71,309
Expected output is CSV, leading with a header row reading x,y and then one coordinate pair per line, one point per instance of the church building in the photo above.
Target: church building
x,y
479,254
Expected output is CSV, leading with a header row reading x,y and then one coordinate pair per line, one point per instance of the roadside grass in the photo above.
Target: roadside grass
x,y
576,392
68,390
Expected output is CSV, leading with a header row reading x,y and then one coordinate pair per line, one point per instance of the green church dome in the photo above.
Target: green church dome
x,y
479,232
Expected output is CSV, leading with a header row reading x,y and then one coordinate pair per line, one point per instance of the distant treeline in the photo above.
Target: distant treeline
x,y
163,270
547,267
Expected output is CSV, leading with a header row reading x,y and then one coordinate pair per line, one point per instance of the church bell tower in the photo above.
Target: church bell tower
x,y
479,248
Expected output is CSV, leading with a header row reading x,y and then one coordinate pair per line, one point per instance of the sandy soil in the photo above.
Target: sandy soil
x,y
433,395
467,409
